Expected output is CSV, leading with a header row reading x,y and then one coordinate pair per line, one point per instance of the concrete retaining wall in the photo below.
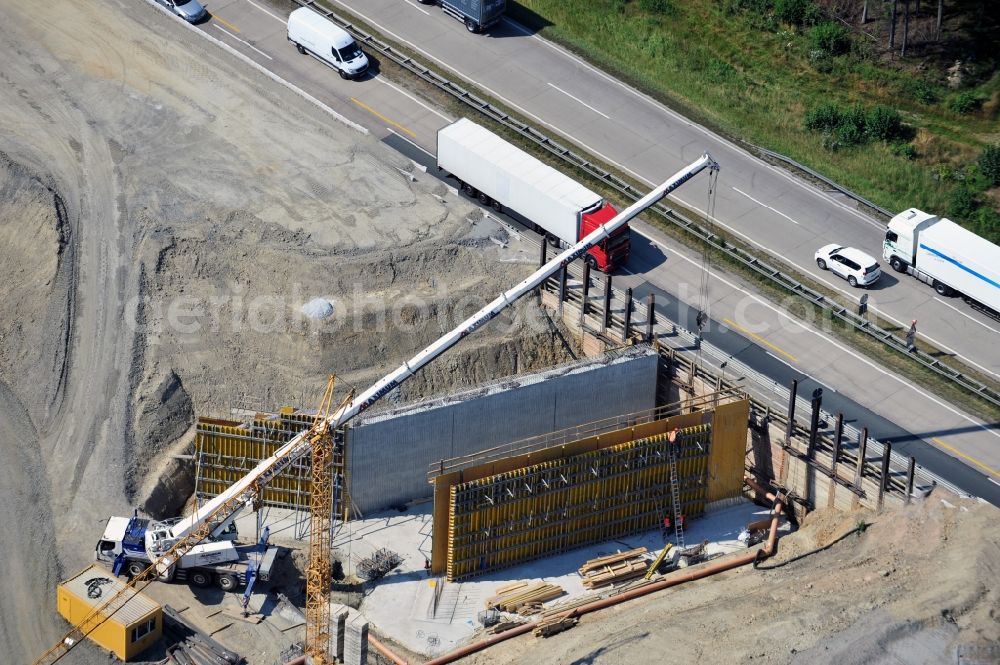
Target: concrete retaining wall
x,y
389,453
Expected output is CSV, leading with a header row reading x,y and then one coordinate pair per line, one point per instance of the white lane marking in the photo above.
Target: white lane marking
x,y
790,365
814,191
275,17
414,99
579,100
971,318
995,482
761,203
849,352
415,145
422,11
245,43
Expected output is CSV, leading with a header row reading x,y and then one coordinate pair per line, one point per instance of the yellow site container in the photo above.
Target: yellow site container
x,y
132,623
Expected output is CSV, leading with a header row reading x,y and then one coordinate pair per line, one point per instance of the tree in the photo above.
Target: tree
x,y
864,13
892,26
906,26
937,28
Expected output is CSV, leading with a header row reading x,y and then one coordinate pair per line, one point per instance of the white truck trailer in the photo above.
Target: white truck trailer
x,y
504,176
939,252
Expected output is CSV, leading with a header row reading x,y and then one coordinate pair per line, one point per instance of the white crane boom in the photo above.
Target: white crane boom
x,y
299,446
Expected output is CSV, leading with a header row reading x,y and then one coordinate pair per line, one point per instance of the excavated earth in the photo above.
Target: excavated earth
x,y
165,213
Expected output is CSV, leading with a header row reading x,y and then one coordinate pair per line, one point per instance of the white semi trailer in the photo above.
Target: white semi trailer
x,y
951,259
501,174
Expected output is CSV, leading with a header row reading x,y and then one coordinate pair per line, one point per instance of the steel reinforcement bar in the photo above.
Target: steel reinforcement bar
x,y
835,310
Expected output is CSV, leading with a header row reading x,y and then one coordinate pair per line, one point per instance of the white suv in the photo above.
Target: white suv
x,y
858,268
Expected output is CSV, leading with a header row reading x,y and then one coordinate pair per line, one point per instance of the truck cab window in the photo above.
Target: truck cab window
x,y
891,236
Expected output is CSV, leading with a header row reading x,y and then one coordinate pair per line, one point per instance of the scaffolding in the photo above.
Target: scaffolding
x,y
540,509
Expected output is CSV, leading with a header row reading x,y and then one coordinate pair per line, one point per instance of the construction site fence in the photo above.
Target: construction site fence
x,y
691,358
775,276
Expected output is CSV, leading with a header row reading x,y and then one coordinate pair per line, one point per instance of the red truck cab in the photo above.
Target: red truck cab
x,y
609,254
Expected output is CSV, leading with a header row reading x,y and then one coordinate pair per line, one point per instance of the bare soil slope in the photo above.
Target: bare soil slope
x,y
165,212
917,587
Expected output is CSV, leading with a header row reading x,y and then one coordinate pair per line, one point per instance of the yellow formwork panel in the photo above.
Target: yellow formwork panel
x,y
540,509
225,451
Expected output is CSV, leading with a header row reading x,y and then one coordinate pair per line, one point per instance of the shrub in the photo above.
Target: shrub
x,y
883,123
655,6
963,202
851,130
965,102
921,91
989,164
823,117
988,224
795,12
904,150
829,37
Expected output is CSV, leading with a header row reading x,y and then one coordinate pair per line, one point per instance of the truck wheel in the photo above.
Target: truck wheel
x,y
853,281
897,264
301,50
344,75
200,578
471,26
821,263
136,567
485,200
227,582
497,206
942,289
552,240
469,189
591,261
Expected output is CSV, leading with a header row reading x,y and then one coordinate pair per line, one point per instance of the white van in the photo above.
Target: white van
x,y
312,33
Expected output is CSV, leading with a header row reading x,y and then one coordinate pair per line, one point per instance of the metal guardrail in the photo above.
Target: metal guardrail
x,y
819,176
766,394
834,309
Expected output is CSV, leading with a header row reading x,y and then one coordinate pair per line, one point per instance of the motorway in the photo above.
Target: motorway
x,y
752,329
764,206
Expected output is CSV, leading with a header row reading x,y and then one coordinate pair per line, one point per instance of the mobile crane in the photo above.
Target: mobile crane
x,y
167,542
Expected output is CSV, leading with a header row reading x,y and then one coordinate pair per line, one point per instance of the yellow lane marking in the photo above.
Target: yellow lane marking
x,y
966,457
760,339
225,22
383,118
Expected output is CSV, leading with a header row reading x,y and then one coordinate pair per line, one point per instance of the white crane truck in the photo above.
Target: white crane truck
x,y
504,176
128,541
135,543
951,259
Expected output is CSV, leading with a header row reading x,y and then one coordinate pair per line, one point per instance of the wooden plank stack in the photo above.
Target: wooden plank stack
x,y
522,597
503,626
553,625
614,568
